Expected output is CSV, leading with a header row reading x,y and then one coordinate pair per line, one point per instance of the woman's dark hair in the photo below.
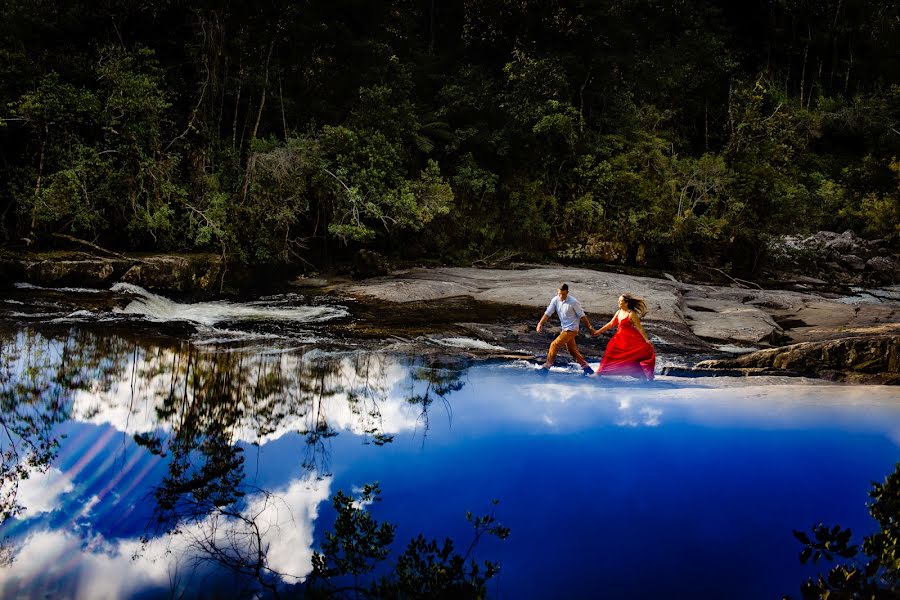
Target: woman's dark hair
x,y
635,304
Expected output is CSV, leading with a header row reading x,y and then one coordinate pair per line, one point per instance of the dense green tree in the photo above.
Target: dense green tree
x,y
282,131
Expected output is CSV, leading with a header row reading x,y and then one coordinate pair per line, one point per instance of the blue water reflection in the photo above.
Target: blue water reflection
x,y
679,489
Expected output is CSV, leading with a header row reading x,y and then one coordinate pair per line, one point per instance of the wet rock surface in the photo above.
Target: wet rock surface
x,y
187,274
178,273
716,314
855,359
485,313
687,320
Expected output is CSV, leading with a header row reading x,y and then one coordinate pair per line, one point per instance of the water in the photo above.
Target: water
x,y
178,459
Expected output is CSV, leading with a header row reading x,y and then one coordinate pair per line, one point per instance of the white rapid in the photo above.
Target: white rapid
x,y
160,309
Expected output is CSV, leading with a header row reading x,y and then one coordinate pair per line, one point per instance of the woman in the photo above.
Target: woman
x,y
629,352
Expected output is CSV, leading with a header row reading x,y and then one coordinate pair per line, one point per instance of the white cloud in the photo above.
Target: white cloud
x,y
380,399
99,568
41,492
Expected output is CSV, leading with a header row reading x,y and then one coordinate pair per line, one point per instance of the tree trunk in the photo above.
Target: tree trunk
x,y
262,102
818,79
237,106
849,66
587,80
431,22
706,124
37,187
803,71
281,98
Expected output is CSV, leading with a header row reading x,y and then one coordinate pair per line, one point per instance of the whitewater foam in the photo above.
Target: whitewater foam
x,y
466,343
73,290
161,309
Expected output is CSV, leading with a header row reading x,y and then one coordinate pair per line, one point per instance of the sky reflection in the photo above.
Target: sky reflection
x,y
174,457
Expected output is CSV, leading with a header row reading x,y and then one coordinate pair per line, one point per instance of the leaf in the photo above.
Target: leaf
x,y
801,536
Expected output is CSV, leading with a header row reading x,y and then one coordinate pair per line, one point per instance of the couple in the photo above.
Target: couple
x,y
629,352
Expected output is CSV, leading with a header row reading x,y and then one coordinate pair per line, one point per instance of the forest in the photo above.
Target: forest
x,y
460,131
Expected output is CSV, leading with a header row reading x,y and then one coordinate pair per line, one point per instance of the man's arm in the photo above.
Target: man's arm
x,y
550,308
587,322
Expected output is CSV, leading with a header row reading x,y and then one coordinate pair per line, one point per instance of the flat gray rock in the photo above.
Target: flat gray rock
x,y
729,314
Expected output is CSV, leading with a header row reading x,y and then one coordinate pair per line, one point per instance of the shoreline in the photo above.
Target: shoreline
x,y
499,308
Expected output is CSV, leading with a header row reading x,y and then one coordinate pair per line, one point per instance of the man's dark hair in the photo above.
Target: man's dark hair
x,y
564,287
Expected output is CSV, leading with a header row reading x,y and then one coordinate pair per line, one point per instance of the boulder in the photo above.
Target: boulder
x,y
188,273
596,249
853,262
367,263
845,243
717,318
863,358
79,272
886,269
839,258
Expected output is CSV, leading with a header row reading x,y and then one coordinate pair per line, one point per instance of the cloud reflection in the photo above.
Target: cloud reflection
x,y
637,416
48,561
41,492
359,394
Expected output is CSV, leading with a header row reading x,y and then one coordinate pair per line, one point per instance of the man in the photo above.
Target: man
x,y
570,313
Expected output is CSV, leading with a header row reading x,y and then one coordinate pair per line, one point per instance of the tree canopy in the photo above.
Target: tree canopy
x,y
291,131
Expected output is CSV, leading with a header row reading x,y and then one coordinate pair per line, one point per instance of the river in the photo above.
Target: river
x,y
167,449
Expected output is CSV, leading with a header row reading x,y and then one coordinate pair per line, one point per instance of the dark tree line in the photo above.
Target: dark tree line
x,y
678,130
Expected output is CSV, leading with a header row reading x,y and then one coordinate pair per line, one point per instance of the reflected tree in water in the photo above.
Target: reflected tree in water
x,y
872,568
217,394
440,377
38,376
202,403
426,568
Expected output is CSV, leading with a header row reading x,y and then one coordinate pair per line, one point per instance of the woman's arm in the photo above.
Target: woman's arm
x,y
609,325
637,325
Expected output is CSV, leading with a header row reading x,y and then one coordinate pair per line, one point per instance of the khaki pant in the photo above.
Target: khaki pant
x,y
567,339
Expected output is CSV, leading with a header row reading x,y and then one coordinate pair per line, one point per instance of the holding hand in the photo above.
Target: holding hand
x,y
538,328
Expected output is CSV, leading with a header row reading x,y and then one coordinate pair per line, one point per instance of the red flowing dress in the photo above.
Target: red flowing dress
x,y
627,353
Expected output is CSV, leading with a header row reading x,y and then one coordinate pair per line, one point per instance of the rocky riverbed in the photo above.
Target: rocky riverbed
x,y
501,306
492,312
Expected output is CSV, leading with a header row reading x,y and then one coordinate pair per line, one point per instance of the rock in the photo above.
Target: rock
x,y
85,272
189,273
884,269
876,359
722,319
367,263
840,258
747,316
845,243
723,372
598,250
854,262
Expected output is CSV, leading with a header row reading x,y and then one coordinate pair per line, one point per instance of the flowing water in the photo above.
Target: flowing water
x,y
199,462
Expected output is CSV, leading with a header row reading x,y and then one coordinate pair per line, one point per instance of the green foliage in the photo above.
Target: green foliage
x,y
281,177
273,132
358,541
874,568
877,213
425,569
99,161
